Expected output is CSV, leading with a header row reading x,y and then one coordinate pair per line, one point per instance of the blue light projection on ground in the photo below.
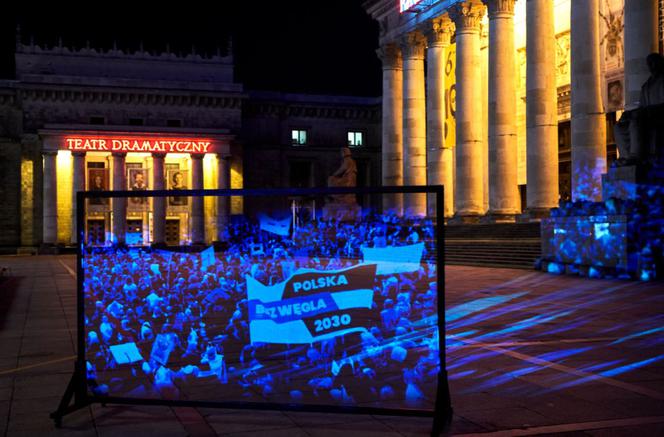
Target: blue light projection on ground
x,y
513,348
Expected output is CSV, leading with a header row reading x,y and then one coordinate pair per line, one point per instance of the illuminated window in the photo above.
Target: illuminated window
x,y
299,137
355,139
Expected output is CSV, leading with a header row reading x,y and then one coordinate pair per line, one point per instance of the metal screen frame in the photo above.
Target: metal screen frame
x,y
77,388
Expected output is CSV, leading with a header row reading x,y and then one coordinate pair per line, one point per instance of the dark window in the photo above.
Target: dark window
x,y
97,120
135,122
300,174
174,123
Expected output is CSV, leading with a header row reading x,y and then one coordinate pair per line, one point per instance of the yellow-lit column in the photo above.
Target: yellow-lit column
x,y
50,214
541,109
503,187
439,158
197,223
223,202
469,184
78,184
119,222
414,122
159,203
588,117
392,150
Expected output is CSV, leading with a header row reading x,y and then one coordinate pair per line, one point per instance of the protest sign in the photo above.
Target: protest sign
x,y
311,305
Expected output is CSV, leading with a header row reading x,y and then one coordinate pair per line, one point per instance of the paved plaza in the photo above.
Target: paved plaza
x,y
528,354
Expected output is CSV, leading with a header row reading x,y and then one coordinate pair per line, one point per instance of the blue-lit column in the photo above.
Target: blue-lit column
x,y
588,117
119,220
78,184
414,122
50,212
197,223
440,160
159,203
223,202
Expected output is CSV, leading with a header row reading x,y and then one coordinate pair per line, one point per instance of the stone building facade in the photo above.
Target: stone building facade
x,y
508,103
85,119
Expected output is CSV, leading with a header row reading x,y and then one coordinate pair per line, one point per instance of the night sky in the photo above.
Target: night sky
x,y
290,46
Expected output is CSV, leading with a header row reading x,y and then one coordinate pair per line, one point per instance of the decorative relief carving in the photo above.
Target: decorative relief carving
x,y
467,16
563,76
390,56
440,31
413,45
612,34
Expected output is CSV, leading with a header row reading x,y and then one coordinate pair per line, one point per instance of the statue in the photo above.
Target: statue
x,y
343,206
639,132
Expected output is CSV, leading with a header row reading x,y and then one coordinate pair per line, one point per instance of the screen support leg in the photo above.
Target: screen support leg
x,y
442,415
75,390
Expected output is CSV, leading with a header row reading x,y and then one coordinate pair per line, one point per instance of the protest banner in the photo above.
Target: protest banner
x,y
394,259
275,226
311,305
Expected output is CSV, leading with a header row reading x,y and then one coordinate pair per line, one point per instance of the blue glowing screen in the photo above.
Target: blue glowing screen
x,y
314,312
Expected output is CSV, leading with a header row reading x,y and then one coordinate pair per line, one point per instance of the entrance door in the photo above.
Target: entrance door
x,y
96,232
172,232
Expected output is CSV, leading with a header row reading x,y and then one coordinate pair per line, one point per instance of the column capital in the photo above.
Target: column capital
x,y
467,16
390,56
500,8
413,45
439,31
196,156
49,152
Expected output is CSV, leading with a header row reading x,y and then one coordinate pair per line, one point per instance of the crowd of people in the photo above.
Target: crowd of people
x,y
173,325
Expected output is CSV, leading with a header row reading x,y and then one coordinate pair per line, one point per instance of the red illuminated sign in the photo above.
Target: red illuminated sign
x,y
137,144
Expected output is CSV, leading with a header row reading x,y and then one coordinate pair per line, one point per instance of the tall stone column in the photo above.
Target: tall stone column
x,y
119,222
541,109
78,179
588,117
158,203
503,186
640,40
197,223
439,159
223,202
414,122
50,212
468,200
392,152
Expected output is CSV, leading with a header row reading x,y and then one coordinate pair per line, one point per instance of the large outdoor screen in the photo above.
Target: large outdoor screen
x,y
296,304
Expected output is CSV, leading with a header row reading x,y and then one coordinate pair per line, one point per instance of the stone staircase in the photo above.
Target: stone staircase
x,y
512,245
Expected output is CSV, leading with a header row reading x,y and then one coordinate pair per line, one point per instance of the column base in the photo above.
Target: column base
x,y
464,220
531,215
495,217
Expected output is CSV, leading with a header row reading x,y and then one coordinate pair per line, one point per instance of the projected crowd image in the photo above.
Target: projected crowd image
x,y
327,313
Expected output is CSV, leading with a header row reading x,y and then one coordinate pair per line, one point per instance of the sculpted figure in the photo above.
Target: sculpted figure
x,y
346,174
639,133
